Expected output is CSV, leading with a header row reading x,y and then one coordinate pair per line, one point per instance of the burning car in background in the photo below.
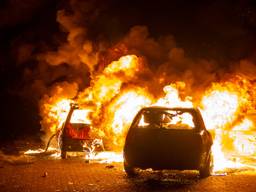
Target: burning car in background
x,y
75,133
168,138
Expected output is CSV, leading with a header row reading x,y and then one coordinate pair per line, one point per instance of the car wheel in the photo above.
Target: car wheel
x,y
130,171
63,154
206,170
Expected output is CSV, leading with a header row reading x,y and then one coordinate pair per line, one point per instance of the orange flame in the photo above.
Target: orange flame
x,y
172,99
121,112
223,107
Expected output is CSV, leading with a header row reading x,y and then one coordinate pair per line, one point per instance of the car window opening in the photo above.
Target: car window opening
x,y
80,116
166,119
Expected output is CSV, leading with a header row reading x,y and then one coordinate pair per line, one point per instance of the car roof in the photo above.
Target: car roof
x,y
170,108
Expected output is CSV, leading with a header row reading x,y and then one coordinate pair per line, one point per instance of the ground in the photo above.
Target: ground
x,y
42,173
76,175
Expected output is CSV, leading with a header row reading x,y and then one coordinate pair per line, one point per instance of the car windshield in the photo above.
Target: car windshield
x,y
169,119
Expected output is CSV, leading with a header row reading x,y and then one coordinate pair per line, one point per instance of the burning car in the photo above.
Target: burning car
x,y
168,138
75,133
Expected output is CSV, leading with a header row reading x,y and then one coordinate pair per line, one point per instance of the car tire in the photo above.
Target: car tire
x,y
63,154
206,170
130,171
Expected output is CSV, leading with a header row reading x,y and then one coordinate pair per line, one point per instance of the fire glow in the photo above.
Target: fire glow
x,y
223,108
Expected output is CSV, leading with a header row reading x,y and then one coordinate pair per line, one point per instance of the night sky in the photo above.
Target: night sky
x,y
223,31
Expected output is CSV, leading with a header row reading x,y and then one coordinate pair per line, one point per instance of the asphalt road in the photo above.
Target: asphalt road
x,y
44,174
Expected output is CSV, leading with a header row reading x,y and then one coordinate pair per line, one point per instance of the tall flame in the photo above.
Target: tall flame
x,y
222,109
114,100
122,110
172,98
219,108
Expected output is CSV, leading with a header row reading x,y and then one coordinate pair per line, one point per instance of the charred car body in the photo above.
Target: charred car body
x,y
168,138
75,133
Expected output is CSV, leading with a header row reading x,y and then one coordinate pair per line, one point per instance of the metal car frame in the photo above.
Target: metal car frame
x,y
162,148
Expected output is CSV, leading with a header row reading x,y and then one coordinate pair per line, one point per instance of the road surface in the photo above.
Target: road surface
x,y
44,174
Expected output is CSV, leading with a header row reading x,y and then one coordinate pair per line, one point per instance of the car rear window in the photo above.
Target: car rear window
x,y
169,119
80,116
